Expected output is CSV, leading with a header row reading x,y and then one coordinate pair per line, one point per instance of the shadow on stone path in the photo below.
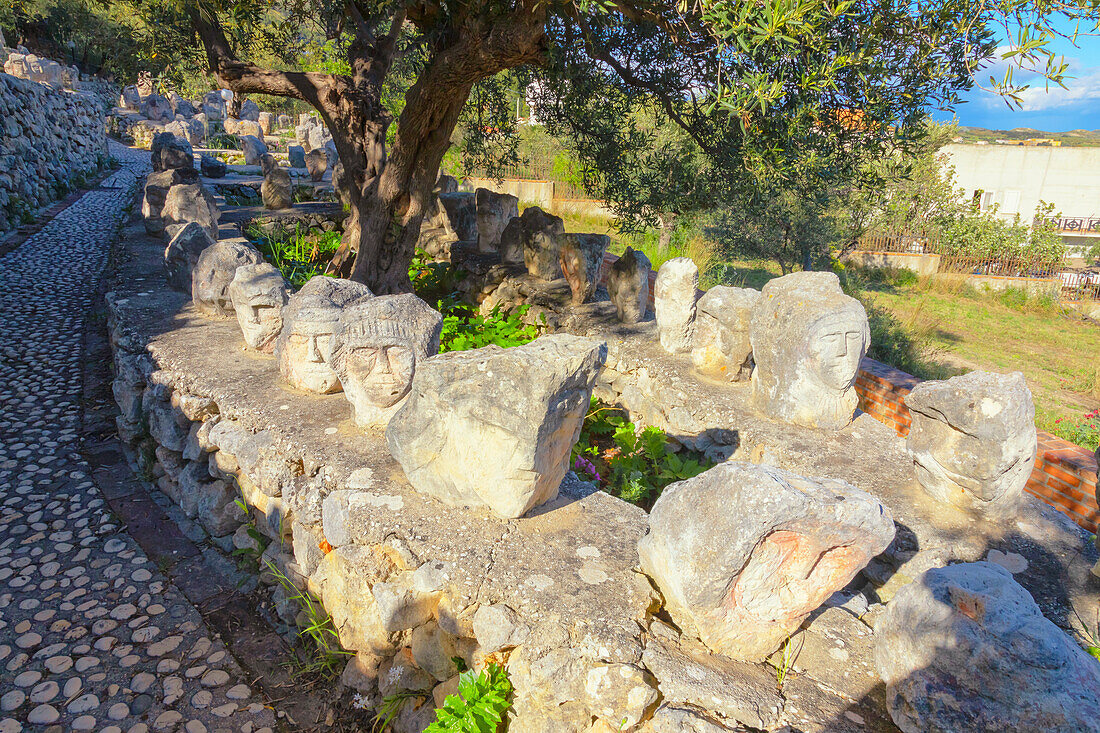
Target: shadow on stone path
x,y
93,635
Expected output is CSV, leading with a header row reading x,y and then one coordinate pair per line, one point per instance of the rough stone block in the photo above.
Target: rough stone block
x,y
674,303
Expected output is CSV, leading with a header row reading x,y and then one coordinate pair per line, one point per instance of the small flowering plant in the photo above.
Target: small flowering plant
x,y
1084,430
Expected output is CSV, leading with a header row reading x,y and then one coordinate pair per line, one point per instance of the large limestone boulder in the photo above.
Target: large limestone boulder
x,y
461,208
190,130
180,106
628,285
277,191
581,258
156,108
316,163
494,211
303,350
722,348
674,304
254,149
250,111
376,348
182,254
213,106
191,202
494,427
539,239
214,272
808,339
212,167
966,648
169,151
743,553
157,185
973,440
258,293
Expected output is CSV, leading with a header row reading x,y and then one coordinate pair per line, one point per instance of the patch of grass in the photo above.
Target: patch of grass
x,y
325,656
299,254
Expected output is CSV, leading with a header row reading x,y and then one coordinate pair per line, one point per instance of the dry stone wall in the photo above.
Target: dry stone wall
x,y
50,141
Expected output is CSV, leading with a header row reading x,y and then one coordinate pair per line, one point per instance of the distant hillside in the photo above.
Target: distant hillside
x,y
1071,139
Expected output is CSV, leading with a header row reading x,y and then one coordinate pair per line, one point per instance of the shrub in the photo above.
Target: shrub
x,y
480,704
298,255
1083,429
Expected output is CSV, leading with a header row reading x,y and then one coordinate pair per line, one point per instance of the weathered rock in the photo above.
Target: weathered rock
x,y
966,648
180,106
304,348
191,202
254,149
277,191
214,271
190,130
973,440
628,285
296,154
674,303
250,111
619,694
213,106
494,427
267,122
494,211
540,237
182,254
808,339
157,185
721,347
130,99
498,627
156,108
316,164
743,553
258,293
690,676
376,348
461,207
212,167
248,127
580,259
169,151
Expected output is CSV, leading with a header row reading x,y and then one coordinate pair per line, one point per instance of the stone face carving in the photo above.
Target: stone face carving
x,y
461,208
628,285
303,350
169,151
743,553
807,341
191,202
182,254
581,259
494,211
376,348
965,647
722,348
254,149
540,236
316,164
258,293
296,154
973,440
130,99
674,304
494,427
214,272
276,190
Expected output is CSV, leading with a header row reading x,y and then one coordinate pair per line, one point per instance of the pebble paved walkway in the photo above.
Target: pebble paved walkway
x,y
92,634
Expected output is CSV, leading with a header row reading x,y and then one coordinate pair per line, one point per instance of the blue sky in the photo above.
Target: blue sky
x,y
1054,110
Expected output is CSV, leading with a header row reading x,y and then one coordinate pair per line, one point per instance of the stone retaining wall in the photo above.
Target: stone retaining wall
x,y
50,141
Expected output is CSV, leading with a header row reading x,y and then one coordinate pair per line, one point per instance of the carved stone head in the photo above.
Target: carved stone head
x,y
376,347
259,293
304,347
214,271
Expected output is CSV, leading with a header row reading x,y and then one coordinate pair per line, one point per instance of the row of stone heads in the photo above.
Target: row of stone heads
x,y
802,340
23,64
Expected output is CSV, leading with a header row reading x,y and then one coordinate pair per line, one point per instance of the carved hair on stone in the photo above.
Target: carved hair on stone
x,y
808,339
304,347
259,293
743,553
377,345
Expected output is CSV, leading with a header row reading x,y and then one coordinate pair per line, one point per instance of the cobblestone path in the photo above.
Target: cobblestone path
x,y
93,636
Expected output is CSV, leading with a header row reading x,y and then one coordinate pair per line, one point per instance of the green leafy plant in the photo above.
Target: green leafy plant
x,y
635,465
1084,429
299,254
391,707
248,558
480,704
786,660
325,657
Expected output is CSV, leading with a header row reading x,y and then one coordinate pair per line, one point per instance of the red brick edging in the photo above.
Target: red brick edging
x,y
1064,475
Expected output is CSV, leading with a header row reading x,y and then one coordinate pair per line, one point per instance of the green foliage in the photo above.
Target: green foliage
x,y
625,462
480,704
1082,429
325,657
787,657
392,705
983,236
249,557
299,254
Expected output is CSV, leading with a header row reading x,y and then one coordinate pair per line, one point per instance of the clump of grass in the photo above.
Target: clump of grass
x,y
325,657
299,254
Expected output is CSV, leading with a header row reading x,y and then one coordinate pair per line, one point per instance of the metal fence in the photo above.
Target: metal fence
x,y
909,242
1077,224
